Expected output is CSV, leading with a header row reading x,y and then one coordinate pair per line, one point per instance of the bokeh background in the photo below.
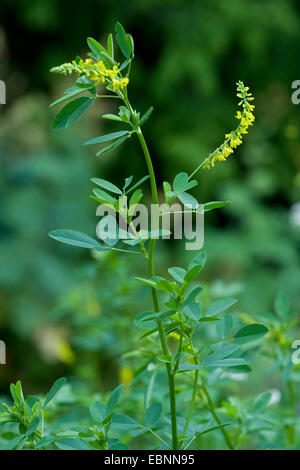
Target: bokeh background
x,y
65,312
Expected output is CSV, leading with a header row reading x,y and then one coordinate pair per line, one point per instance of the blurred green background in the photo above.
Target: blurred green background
x,y
63,312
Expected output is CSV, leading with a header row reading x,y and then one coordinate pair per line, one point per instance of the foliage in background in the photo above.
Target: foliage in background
x,y
255,253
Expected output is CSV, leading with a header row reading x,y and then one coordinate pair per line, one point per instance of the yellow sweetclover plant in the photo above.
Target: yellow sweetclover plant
x,y
181,315
96,72
234,138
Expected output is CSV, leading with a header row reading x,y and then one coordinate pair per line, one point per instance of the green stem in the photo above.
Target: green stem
x,y
42,430
180,344
191,408
291,428
211,408
163,340
158,437
213,412
126,251
109,96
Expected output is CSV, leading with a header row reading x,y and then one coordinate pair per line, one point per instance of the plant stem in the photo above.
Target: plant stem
x,y
158,437
191,408
180,344
126,251
211,408
291,411
108,96
213,412
163,340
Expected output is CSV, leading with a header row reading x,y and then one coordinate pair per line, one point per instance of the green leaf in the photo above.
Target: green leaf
x,y
13,443
75,238
164,284
108,230
220,306
135,198
107,419
72,443
177,273
209,319
193,311
110,45
95,47
145,117
209,427
44,442
161,315
112,117
122,39
224,349
148,282
128,182
180,182
191,296
261,402
84,82
139,183
106,185
118,446
13,393
187,367
33,425
16,392
71,112
198,260
108,62
209,206
192,273
68,96
113,399
103,196
54,390
31,400
188,200
131,43
282,305
124,113
98,411
121,421
19,391
106,137
157,282
169,195
227,362
139,432
171,327
249,333
224,326
153,414
142,320
112,146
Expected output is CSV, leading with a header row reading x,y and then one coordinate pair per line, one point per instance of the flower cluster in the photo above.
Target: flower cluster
x,y
95,71
234,138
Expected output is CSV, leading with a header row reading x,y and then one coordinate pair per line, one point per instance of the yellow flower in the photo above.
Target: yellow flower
x,y
226,152
95,71
234,138
126,375
175,335
64,352
119,83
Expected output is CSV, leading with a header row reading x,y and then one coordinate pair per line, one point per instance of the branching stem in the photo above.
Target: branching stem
x,y
162,336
